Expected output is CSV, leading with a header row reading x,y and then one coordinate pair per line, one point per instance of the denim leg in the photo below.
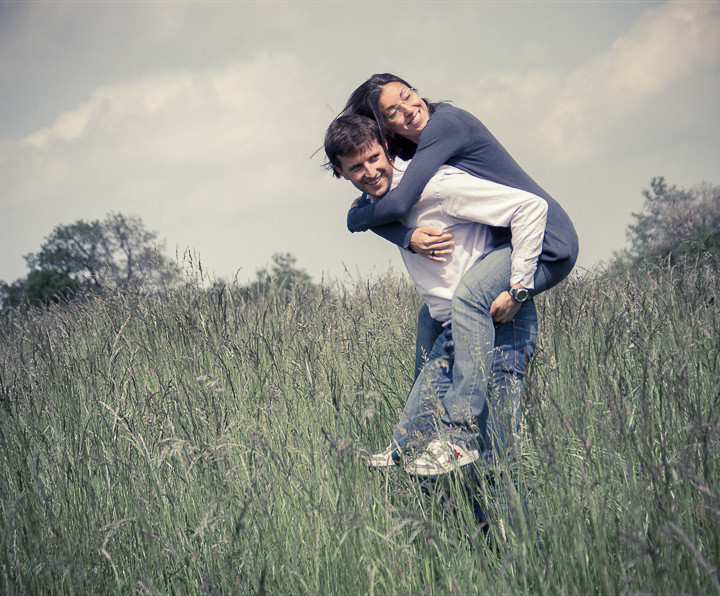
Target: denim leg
x,y
515,344
420,415
428,330
473,331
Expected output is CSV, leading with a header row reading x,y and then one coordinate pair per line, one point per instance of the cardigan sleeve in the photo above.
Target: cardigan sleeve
x,y
442,139
396,233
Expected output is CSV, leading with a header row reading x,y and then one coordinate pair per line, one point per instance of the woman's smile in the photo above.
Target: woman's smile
x,y
404,110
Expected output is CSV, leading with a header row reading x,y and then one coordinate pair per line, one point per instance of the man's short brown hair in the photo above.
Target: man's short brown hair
x,y
347,135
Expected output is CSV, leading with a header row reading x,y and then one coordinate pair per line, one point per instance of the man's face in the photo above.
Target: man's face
x,y
369,170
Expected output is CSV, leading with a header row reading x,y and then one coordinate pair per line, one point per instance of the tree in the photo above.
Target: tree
x,y
283,275
115,253
77,250
43,287
39,288
676,221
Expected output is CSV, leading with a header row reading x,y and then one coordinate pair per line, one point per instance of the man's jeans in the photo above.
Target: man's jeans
x,y
500,415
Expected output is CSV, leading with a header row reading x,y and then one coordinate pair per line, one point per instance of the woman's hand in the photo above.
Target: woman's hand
x,y
432,243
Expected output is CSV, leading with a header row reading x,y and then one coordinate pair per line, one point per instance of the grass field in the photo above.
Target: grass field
x,y
202,442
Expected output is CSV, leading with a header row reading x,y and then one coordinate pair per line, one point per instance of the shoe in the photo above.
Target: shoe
x,y
441,457
386,459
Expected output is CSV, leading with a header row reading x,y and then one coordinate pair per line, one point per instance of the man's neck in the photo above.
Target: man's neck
x,y
392,164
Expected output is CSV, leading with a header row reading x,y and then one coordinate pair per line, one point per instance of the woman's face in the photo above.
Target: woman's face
x,y
404,111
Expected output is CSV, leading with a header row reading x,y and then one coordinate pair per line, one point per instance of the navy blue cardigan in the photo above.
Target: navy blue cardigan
x,y
455,137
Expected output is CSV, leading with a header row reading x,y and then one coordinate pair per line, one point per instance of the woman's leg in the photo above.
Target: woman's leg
x,y
473,332
550,274
466,400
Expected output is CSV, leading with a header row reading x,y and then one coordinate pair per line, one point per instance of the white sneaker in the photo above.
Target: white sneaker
x,y
441,457
384,459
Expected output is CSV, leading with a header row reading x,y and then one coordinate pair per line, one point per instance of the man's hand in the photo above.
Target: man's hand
x,y
504,308
432,243
356,202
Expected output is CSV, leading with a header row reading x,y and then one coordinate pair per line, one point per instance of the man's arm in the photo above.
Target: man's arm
x,y
475,199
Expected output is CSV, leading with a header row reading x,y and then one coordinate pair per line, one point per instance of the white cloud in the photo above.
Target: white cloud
x,y
665,45
227,148
202,118
230,121
580,112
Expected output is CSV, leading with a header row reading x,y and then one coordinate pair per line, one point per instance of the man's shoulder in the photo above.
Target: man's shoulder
x,y
400,164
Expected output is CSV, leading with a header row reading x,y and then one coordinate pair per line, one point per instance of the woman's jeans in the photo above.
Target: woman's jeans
x,y
473,330
500,416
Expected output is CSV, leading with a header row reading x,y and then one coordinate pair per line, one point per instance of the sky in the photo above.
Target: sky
x,y
205,118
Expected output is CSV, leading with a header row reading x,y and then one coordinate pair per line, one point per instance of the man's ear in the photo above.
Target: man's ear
x,y
340,173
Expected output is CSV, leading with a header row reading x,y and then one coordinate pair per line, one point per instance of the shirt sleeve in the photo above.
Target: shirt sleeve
x,y
442,139
474,199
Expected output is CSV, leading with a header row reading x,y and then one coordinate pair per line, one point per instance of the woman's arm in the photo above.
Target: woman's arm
x,y
469,198
396,233
441,140
428,242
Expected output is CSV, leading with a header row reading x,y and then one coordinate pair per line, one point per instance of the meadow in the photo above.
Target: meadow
x,y
203,441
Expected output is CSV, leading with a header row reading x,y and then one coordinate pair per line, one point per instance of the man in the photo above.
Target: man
x,y
353,147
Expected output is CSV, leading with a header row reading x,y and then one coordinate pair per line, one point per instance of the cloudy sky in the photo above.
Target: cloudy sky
x,y
203,118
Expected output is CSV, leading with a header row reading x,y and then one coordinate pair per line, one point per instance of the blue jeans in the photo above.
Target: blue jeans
x,y
474,335
514,346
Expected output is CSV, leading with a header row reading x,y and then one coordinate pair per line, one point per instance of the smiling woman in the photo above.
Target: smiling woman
x,y
434,134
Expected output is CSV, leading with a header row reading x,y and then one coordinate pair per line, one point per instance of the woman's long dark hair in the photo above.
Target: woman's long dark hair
x,y
365,100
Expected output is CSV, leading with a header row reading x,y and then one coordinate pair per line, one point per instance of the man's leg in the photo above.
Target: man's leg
x,y
515,344
420,416
500,416
428,330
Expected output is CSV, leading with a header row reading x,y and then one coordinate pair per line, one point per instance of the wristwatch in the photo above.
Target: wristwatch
x,y
520,294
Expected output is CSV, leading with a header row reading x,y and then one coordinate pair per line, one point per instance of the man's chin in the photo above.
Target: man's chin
x,y
378,194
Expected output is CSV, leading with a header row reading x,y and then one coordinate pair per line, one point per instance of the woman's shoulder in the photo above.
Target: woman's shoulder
x,y
448,116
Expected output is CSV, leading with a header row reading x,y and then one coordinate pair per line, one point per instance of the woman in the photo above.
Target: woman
x,y
437,134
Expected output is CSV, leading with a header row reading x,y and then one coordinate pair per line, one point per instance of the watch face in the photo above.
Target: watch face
x,y
520,294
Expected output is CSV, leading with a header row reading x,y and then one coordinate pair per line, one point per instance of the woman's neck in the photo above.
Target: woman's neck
x,y
413,137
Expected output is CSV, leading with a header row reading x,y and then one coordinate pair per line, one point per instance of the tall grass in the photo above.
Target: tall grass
x,y
199,441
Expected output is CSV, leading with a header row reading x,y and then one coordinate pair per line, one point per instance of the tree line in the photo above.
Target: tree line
x,y
120,254
116,254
